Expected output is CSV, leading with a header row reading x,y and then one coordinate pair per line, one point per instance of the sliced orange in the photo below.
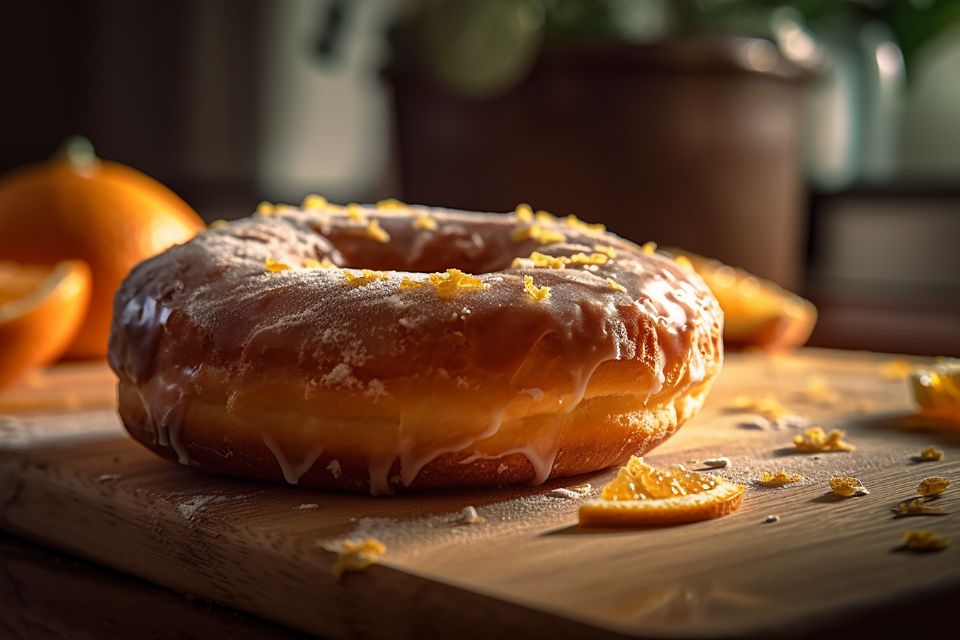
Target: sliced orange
x,y
643,495
756,312
936,390
41,310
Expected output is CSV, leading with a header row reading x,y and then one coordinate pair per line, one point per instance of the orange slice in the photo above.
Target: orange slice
x,y
936,390
41,310
644,495
757,312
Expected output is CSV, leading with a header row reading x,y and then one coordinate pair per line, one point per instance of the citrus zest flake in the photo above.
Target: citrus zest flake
x,y
933,486
538,233
616,286
275,266
815,440
425,223
847,486
408,283
356,212
921,540
931,454
583,258
606,250
545,217
388,204
524,212
356,555
313,202
449,284
779,478
372,230
366,277
535,293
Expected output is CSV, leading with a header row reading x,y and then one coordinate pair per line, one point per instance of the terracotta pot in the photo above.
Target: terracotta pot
x,y
688,143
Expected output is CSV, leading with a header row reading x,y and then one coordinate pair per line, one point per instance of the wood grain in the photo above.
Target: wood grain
x,y
529,568
49,596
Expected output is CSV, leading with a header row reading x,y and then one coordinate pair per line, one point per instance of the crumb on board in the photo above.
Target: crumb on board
x,y
107,478
355,555
772,518
816,440
921,540
916,507
469,515
308,506
720,462
847,486
779,478
933,486
931,454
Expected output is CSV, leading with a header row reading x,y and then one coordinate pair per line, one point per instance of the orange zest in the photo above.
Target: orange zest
x,y
41,310
643,495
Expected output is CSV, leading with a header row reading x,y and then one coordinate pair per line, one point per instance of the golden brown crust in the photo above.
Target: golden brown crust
x,y
401,381
587,447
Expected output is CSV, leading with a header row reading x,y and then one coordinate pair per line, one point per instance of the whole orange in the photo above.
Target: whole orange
x,y
77,206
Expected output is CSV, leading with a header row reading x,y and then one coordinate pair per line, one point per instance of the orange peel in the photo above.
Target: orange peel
x,y
757,312
643,495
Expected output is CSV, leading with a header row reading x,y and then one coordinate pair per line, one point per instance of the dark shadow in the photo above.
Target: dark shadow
x,y
787,451
831,498
910,424
580,530
756,484
793,451
926,500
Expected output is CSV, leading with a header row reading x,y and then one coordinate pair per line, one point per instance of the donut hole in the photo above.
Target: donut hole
x,y
455,247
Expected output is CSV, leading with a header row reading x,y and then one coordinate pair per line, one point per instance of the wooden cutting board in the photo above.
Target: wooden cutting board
x,y
73,480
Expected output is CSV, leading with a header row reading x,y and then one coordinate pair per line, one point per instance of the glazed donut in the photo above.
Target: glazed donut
x,y
388,347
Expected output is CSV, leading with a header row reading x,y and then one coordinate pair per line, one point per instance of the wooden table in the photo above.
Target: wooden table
x,y
75,482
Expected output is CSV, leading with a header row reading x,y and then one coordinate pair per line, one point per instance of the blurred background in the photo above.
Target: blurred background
x,y
812,142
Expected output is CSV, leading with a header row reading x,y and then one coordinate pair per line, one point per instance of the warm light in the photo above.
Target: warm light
x,y
889,59
761,55
797,44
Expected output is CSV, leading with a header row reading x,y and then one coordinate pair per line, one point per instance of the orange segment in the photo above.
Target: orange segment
x,y
756,312
41,309
644,495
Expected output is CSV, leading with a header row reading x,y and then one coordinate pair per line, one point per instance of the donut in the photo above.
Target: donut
x,y
389,347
